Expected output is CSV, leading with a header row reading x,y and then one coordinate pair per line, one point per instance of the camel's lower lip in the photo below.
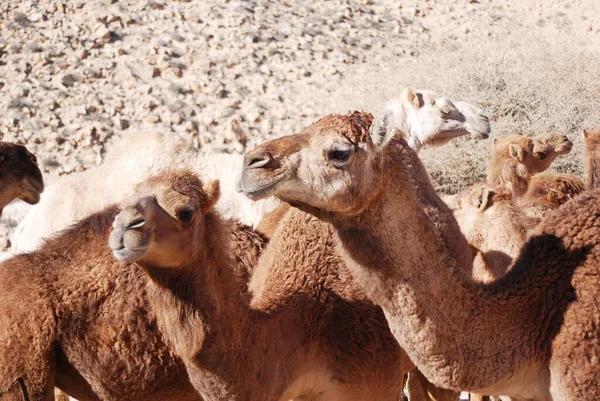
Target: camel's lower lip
x,y
480,135
129,255
258,190
33,191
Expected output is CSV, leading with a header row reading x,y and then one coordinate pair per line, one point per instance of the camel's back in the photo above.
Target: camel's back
x,y
108,333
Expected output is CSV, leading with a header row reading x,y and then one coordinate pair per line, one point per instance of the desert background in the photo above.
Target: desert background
x,y
76,75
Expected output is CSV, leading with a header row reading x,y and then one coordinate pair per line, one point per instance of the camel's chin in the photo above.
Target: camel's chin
x,y
129,255
480,135
32,197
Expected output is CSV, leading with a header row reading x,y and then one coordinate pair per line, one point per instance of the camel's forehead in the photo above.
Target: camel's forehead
x,y
593,134
523,141
353,127
429,96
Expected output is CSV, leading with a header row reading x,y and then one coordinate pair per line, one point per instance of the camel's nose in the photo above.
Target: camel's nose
x,y
256,161
259,160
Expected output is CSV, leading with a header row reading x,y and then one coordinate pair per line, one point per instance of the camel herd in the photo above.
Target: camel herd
x,y
143,279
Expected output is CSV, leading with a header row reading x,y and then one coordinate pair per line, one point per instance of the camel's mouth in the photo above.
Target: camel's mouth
x,y
129,244
256,189
129,255
31,190
565,147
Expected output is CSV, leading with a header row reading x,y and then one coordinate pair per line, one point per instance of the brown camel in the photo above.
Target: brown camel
x,y
73,317
20,176
591,151
308,333
547,304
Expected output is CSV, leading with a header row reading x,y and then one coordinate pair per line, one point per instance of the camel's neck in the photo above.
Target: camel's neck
x,y
449,327
592,168
204,314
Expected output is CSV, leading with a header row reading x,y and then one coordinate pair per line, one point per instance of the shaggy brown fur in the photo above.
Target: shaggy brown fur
x,y
74,316
591,143
308,331
20,176
547,304
548,191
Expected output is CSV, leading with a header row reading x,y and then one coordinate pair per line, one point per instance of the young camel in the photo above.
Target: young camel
x,y
547,304
548,191
20,176
591,152
516,158
75,318
431,120
308,333
494,226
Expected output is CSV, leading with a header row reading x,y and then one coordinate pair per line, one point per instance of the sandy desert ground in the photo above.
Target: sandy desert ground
x,y
77,75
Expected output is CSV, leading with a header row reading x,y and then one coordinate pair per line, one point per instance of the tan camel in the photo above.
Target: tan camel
x,y
20,176
516,158
547,304
307,334
493,225
591,151
548,147
429,118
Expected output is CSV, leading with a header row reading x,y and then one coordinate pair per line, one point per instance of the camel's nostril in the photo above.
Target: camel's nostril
x,y
258,162
566,138
137,223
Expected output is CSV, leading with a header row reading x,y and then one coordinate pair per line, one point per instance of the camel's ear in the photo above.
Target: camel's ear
x,y
481,198
411,97
515,152
383,128
586,133
213,192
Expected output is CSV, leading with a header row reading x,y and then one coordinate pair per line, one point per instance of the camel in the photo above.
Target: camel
x,y
547,304
429,118
494,226
546,148
548,191
511,164
591,152
515,158
71,317
20,176
306,333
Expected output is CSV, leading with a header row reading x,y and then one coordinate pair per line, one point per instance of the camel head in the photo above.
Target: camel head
x,y
489,219
162,226
428,119
546,148
332,166
20,176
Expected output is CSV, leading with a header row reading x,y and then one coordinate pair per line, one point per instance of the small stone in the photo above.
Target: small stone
x,y
153,118
69,80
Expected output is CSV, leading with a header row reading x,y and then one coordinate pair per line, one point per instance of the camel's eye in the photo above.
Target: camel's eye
x,y
2,157
541,155
339,155
185,215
